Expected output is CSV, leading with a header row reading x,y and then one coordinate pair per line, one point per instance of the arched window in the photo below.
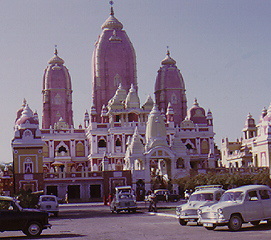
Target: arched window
x,y
204,147
180,163
28,165
45,150
118,143
189,146
117,80
101,143
174,99
80,150
132,117
27,134
62,149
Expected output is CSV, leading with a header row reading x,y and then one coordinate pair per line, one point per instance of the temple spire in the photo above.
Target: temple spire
x,y
56,50
112,10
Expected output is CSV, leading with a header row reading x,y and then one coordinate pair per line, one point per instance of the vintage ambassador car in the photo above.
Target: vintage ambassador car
x,y
250,203
123,200
49,203
203,196
13,217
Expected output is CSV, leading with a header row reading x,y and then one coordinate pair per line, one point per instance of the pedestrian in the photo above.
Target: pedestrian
x,y
152,202
66,198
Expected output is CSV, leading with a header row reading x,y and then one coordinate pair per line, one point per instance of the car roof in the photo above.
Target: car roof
x,y
156,190
6,198
123,187
42,196
208,189
249,187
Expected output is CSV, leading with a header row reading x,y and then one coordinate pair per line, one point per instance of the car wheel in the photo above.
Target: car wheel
x,y
182,222
33,229
235,223
211,228
255,223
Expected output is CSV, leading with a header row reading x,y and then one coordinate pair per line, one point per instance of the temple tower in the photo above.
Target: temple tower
x,y
170,88
114,63
57,93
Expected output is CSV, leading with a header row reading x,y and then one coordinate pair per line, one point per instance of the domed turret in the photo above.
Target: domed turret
x,y
114,62
169,87
197,114
56,59
250,129
168,60
19,112
112,22
27,116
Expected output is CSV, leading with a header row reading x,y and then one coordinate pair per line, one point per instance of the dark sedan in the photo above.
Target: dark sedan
x,y
13,217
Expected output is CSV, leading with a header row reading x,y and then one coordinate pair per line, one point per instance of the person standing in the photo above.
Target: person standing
x,y
152,202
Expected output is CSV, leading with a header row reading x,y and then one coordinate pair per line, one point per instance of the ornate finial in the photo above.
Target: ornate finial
x,y
112,10
196,102
56,50
168,53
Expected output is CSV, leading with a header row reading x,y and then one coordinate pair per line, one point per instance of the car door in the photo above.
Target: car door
x,y
10,216
265,196
253,209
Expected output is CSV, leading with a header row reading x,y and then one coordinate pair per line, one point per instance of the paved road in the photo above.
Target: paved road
x,y
95,222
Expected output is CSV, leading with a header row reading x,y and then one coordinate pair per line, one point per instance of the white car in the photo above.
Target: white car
x,y
123,200
49,204
250,203
203,196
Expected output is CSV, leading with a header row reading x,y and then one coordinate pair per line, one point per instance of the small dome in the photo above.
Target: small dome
x,y
19,112
168,60
56,59
197,113
112,22
27,115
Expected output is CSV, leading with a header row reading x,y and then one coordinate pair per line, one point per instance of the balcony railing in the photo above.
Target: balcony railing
x,y
61,175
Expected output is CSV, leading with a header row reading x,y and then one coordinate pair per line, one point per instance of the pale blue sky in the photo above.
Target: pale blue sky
x,y
222,48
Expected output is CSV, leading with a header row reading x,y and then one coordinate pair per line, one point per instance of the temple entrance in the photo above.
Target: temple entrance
x,y
52,190
73,192
140,190
160,171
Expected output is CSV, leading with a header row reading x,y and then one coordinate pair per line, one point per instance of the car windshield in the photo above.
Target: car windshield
x,y
48,199
201,197
125,196
232,196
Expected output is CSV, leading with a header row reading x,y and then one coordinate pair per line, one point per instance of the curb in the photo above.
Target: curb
x,y
162,214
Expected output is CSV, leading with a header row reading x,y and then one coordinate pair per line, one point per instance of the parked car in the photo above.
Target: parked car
x,y
203,196
165,195
123,200
13,217
250,203
49,203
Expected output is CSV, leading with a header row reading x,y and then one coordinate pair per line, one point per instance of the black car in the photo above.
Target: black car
x,y
13,217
